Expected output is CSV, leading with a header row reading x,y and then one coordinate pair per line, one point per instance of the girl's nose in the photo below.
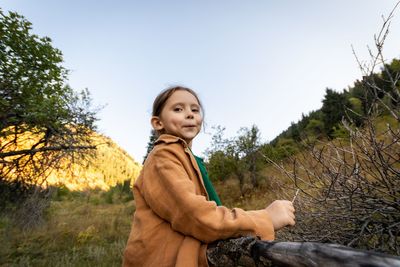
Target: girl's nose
x,y
189,114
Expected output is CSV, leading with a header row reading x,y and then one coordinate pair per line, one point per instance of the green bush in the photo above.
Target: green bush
x,y
286,147
340,131
315,128
108,196
220,166
61,193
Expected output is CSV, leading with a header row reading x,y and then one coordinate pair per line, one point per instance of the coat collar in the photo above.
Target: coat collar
x,y
168,138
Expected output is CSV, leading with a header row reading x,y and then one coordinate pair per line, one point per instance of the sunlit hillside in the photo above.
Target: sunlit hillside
x,y
109,165
106,166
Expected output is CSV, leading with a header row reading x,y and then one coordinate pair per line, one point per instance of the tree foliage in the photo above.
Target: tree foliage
x,y
42,119
153,137
236,156
333,109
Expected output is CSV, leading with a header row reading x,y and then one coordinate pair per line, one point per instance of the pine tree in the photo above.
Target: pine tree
x,y
150,144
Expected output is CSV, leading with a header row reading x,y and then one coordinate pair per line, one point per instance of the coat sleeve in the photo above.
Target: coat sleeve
x,y
170,193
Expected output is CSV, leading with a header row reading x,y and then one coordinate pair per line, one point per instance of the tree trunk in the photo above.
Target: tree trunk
x,y
251,252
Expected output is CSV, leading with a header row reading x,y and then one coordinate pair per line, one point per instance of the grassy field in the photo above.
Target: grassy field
x,y
76,232
82,229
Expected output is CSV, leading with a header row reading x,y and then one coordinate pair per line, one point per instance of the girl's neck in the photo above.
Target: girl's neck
x,y
190,145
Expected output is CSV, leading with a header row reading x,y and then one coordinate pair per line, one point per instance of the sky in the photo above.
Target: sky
x,y
251,62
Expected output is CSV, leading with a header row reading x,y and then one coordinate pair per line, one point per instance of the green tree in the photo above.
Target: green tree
x,y
294,131
315,128
286,147
236,156
333,109
42,119
248,143
153,137
220,165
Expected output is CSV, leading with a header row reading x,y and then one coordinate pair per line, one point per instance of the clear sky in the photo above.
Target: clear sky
x,y
252,62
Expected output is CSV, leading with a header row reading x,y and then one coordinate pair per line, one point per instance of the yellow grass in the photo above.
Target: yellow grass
x,y
76,234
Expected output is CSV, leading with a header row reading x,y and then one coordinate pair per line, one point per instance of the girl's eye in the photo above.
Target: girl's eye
x,y
195,110
177,109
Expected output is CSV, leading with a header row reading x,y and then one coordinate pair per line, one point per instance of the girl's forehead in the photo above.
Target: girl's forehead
x,y
182,97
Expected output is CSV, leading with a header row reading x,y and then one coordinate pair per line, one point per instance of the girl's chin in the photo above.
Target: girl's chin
x,y
188,138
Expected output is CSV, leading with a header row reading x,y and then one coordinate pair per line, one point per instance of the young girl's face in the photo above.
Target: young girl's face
x,y
181,116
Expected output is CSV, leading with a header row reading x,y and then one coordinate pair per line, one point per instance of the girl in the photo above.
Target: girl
x,y
176,207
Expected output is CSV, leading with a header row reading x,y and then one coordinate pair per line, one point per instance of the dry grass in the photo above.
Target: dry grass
x,y
75,234
88,232
271,185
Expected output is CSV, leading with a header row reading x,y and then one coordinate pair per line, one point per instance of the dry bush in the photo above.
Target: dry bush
x,y
350,189
30,212
350,192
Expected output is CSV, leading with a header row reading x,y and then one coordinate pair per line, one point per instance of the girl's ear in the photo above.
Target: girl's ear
x,y
156,123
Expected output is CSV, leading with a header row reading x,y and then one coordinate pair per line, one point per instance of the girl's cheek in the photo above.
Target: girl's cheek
x,y
175,121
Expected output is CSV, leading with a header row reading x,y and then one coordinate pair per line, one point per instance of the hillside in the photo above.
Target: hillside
x,y
353,104
108,165
101,168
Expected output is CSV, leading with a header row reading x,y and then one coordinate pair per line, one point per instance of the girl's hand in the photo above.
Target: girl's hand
x,y
281,213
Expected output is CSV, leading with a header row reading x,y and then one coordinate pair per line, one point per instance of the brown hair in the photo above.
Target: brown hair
x,y
162,98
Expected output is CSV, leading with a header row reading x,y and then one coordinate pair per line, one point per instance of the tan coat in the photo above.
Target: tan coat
x,y
174,221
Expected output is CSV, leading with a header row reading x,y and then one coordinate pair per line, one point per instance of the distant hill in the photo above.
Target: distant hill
x,y
108,166
354,104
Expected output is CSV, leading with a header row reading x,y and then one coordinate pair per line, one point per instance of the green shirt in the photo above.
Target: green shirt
x,y
207,183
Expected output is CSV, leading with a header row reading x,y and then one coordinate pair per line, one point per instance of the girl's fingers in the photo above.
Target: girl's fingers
x,y
290,206
291,215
